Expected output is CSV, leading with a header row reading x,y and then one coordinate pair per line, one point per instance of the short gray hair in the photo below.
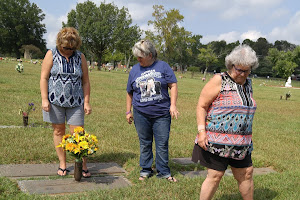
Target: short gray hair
x,y
143,48
242,55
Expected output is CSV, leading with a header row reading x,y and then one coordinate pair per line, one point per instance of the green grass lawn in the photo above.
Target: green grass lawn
x,y
276,135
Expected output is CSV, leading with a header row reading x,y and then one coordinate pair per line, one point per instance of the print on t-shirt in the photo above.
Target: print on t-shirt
x,y
149,87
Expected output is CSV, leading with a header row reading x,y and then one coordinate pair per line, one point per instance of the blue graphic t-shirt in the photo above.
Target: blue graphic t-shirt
x,y
149,87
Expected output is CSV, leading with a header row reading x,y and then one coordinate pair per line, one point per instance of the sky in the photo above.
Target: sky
x,y
215,20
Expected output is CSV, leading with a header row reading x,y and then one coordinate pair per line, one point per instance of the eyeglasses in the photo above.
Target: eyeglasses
x,y
240,71
68,48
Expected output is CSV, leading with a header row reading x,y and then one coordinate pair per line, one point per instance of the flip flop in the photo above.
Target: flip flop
x,y
171,179
85,172
63,170
142,178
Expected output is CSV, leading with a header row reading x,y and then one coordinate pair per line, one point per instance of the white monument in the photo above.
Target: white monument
x,y
288,82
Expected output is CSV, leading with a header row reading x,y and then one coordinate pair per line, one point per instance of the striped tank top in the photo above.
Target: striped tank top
x,y
229,120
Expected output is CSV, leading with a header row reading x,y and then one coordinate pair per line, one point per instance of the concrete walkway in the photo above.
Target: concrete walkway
x,y
203,173
34,170
104,176
69,185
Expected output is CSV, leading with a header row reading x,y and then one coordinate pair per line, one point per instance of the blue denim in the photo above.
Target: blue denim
x,y
146,128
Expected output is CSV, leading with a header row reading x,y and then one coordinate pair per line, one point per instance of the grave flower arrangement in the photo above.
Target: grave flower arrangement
x,y
19,67
26,112
79,144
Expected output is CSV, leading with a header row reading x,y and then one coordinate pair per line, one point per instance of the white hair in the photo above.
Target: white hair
x,y
242,55
143,48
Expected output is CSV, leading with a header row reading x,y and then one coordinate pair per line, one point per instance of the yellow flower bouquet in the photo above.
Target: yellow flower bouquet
x,y
79,144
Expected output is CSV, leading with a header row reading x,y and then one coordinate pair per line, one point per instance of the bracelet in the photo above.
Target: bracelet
x,y
128,112
201,130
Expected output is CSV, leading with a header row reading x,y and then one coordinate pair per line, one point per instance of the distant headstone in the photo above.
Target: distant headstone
x,y
288,82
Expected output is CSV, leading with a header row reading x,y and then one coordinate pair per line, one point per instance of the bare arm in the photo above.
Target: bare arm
x,y
129,116
45,72
207,96
174,94
86,85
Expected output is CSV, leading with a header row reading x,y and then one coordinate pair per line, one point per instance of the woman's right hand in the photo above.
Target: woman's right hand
x,y
46,105
129,118
202,140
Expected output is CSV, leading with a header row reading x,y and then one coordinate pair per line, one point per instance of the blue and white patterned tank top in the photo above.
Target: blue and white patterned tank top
x,y
65,80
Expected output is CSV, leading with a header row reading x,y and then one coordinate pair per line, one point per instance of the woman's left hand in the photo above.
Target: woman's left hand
x,y
174,112
87,108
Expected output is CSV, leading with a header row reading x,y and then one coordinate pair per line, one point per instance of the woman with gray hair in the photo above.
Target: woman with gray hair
x,y
225,114
147,93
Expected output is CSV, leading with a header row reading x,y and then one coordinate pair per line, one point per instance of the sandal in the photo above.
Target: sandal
x,y
171,179
142,178
85,172
63,171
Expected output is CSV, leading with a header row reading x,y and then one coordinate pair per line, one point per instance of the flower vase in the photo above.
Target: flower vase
x,y
78,170
25,120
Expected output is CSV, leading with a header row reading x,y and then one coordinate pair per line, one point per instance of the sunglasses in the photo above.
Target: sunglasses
x,y
68,48
240,71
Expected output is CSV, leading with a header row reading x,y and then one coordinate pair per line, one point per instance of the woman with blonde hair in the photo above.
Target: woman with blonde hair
x,y
65,90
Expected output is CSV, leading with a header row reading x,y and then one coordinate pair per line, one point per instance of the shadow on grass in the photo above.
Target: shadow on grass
x,y
120,158
259,194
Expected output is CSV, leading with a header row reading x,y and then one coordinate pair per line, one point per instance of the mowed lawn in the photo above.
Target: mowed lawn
x,y
276,136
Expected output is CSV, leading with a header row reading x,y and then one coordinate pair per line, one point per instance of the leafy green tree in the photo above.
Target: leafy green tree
x,y
285,68
193,70
249,42
194,50
274,55
261,47
208,57
283,45
296,59
31,51
283,62
20,24
171,40
104,30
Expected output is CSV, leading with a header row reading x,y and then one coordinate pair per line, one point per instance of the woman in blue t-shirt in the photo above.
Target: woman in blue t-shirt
x,y
147,93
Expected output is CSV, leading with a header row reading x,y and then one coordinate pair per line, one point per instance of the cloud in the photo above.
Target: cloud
x,y
251,35
139,12
252,8
291,32
53,25
233,36
207,5
229,37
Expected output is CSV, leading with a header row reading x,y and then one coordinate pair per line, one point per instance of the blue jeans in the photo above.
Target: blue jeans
x,y
146,128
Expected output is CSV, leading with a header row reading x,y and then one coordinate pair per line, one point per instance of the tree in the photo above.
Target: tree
x,y
172,41
20,24
208,57
274,55
195,47
283,62
249,42
261,47
30,50
104,30
285,68
284,45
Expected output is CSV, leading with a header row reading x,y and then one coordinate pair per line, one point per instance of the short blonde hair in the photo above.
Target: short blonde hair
x,y
69,37
242,55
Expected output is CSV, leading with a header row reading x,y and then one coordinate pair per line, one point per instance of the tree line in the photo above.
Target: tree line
x,y
108,35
